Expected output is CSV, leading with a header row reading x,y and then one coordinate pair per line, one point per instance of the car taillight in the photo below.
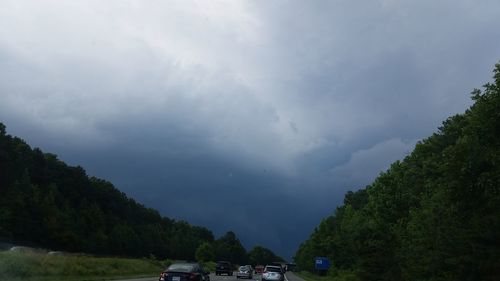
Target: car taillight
x,y
163,275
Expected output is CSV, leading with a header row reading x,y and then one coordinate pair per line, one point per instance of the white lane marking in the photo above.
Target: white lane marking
x,y
286,278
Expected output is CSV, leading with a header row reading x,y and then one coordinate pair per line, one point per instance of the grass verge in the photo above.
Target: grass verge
x,y
43,267
331,276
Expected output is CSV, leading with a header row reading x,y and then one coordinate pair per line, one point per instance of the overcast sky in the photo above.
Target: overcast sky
x,y
251,116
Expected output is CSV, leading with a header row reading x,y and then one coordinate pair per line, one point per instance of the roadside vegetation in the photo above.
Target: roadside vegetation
x,y
209,265
41,266
37,265
48,204
433,216
339,275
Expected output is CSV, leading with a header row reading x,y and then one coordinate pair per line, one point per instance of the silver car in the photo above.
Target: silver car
x,y
245,271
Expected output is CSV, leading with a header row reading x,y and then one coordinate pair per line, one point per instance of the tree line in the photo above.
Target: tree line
x,y
47,203
228,248
433,216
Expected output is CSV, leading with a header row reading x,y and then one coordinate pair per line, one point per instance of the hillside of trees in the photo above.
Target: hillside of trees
x,y
433,216
49,204
46,203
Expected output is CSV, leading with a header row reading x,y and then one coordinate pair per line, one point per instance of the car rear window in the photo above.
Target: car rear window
x,y
273,269
181,267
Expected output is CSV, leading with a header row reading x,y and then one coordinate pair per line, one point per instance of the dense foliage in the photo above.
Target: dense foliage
x,y
433,216
262,256
205,252
47,203
229,248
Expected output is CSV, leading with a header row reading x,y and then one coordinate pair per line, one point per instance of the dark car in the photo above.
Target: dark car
x,y
224,267
185,272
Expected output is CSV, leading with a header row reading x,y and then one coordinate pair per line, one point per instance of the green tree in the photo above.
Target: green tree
x,y
260,255
46,203
432,216
205,252
228,247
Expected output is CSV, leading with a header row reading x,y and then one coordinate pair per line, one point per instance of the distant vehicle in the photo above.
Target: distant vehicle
x,y
55,253
259,269
22,249
185,272
290,266
224,267
245,271
273,273
280,265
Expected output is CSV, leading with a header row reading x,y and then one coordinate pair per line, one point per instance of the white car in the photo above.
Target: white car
x,y
245,271
272,273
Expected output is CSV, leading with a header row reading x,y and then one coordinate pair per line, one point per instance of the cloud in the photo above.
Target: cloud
x,y
364,165
296,100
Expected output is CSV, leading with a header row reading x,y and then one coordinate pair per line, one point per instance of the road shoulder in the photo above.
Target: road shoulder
x,y
290,276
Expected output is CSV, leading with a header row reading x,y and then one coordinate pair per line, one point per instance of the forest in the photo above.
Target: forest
x,y
435,215
46,203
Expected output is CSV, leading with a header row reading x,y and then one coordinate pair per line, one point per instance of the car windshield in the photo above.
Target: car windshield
x,y
181,267
244,268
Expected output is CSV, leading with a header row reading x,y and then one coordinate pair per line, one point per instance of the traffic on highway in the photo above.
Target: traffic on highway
x,y
225,271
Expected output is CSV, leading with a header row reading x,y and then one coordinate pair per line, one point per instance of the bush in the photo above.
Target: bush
x,y
210,266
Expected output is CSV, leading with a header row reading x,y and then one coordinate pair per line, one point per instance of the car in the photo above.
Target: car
x,y
280,265
259,269
245,271
185,272
224,267
273,273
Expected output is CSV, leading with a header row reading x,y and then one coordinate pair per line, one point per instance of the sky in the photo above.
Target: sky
x,y
250,116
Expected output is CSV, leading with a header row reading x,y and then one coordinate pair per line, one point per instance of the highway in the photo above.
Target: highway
x,y
289,276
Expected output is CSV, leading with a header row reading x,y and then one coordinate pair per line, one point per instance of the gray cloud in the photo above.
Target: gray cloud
x,y
364,165
291,102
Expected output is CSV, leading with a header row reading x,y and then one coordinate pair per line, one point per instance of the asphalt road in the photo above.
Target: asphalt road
x,y
256,277
141,279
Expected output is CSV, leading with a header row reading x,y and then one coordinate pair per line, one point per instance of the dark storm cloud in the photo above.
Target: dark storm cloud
x,y
263,113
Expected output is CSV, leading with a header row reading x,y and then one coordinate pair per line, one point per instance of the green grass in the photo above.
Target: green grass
x,y
339,275
42,267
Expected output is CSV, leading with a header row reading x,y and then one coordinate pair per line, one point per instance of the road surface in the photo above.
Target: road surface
x,y
289,276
